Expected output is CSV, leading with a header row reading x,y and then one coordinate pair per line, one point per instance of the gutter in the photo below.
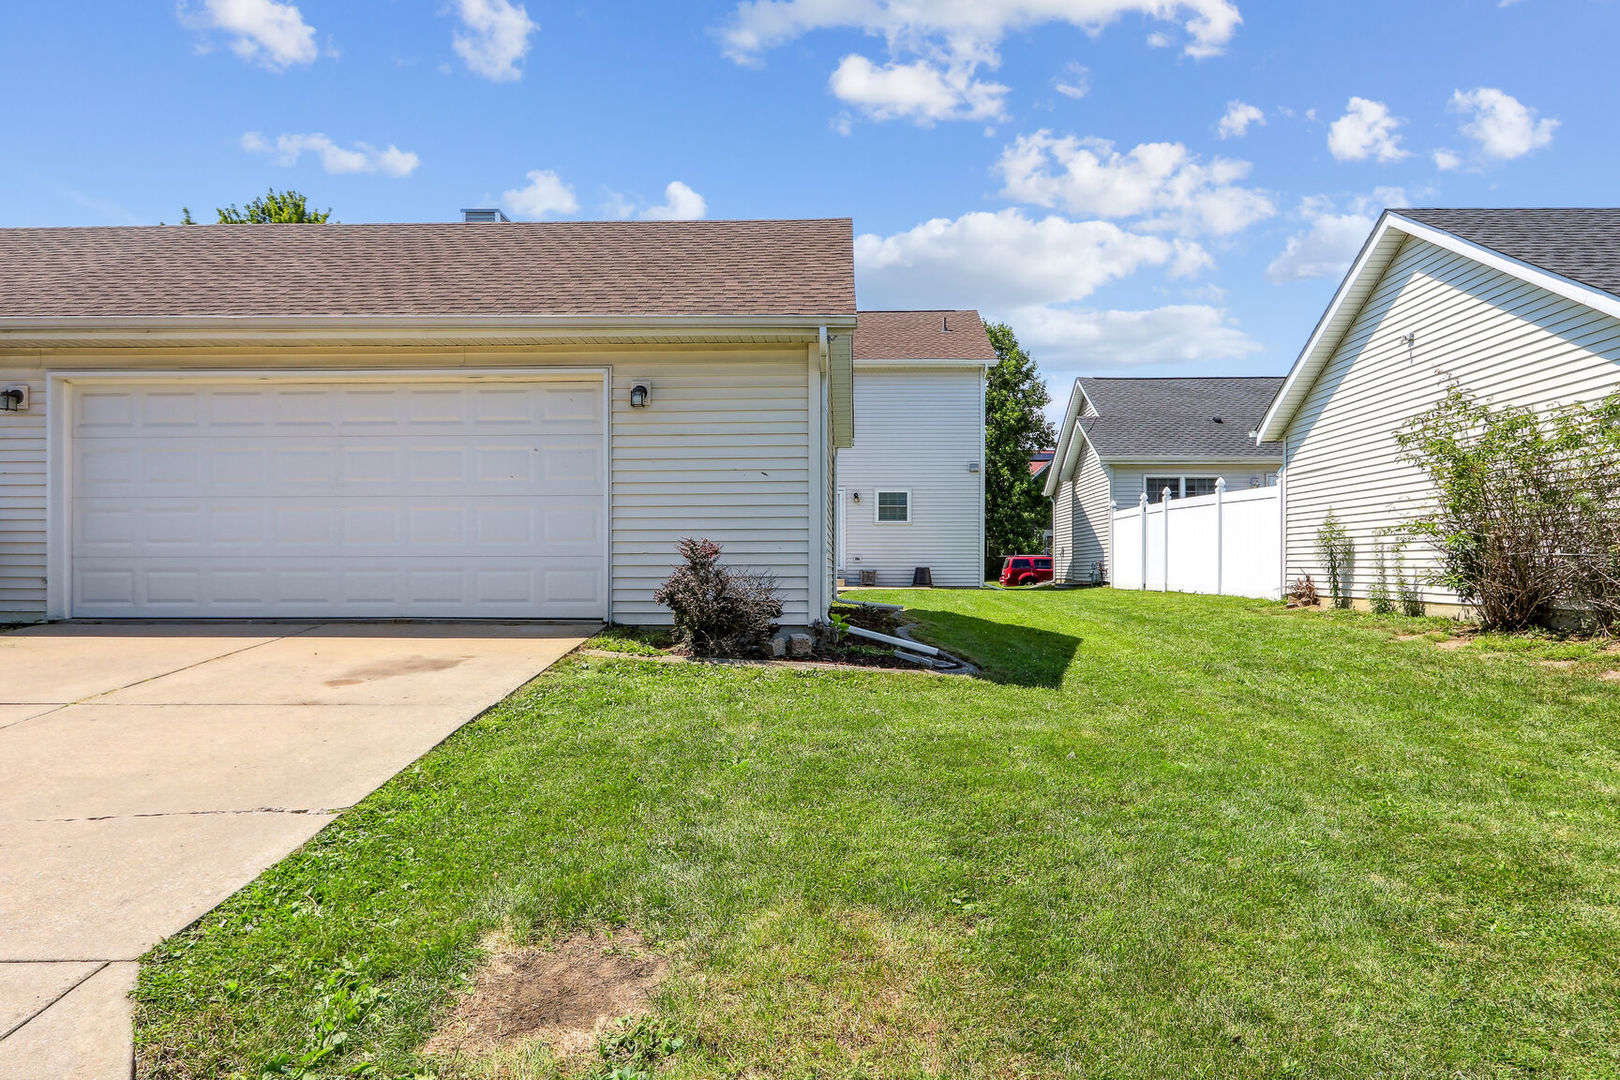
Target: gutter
x,y
295,329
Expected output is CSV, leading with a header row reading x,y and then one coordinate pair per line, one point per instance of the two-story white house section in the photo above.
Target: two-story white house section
x,y
910,488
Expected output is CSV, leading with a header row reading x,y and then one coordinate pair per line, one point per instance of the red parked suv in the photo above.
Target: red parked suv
x,y
1026,569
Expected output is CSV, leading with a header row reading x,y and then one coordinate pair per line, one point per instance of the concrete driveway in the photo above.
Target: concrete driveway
x,y
148,771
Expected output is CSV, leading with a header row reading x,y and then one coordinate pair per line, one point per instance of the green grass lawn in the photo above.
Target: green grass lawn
x,y
1167,836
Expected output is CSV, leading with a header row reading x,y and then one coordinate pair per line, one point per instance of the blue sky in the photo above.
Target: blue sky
x,y
1061,164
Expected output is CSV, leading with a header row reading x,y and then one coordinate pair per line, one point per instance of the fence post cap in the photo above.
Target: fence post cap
x,y
1220,483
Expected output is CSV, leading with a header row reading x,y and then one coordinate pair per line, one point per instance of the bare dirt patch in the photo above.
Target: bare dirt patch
x,y
1562,665
1453,643
1612,675
564,996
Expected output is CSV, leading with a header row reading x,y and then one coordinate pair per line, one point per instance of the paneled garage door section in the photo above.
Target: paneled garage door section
x,y
471,499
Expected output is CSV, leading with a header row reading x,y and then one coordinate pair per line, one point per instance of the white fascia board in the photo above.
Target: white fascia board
x,y
1321,344
1060,459
1570,289
958,363
1274,460
412,328
1373,260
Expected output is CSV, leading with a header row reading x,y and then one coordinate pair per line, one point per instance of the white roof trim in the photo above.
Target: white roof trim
x,y
913,363
1060,459
1387,236
406,329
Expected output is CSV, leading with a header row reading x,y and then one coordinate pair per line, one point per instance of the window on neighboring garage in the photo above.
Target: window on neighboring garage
x,y
1157,484
1194,486
1181,487
894,508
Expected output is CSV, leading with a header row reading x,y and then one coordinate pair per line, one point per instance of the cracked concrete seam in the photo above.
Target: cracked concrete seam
x,y
334,810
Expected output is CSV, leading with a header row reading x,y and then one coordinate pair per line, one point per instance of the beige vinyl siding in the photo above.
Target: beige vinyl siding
x,y
22,501
1500,337
1085,517
1063,511
841,388
917,429
723,451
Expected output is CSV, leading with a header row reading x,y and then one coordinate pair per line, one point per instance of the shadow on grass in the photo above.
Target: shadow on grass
x,y
1004,652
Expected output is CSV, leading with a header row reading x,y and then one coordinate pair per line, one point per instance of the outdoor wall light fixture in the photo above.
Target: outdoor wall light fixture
x,y
855,495
14,399
639,395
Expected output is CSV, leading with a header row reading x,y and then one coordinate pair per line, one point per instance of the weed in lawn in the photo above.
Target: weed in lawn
x,y
632,640
347,999
634,1047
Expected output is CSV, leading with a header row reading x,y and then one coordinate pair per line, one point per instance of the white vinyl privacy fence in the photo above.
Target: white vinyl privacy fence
x,y
1228,543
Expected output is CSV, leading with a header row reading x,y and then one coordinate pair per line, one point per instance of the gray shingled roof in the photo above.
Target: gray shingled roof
x,y
1580,244
549,268
1147,419
922,335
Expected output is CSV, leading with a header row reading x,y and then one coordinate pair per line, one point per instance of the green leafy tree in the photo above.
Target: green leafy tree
x,y
1015,427
272,208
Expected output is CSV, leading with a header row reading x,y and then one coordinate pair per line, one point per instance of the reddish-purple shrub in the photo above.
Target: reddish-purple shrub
x,y
718,611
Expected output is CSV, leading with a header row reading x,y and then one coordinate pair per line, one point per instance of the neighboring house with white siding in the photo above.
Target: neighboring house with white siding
x,y
424,420
1125,438
911,483
1518,307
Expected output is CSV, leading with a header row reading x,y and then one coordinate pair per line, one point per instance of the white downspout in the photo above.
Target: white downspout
x,y
823,588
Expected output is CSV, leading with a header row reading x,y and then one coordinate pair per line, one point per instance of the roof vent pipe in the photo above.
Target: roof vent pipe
x,y
945,324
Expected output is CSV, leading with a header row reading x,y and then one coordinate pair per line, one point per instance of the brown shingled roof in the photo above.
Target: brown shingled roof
x,y
922,335
547,268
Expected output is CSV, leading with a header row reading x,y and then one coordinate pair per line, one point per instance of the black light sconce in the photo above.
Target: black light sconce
x,y
639,395
14,399
855,495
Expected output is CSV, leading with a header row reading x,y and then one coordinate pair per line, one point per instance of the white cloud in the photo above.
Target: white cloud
x,y
920,91
495,39
1006,259
937,47
680,203
1446,160
1037,273
1332,237
264,32
1176,334
1366,130
1504,127
1164,184
361,158
545,194
1239,116
964,27
1073,81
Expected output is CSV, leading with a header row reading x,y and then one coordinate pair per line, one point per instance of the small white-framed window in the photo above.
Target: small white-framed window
x,y
1181,487
892,507
1156,486
1194,486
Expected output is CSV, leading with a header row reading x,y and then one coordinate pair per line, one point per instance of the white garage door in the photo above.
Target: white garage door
x,y
470,499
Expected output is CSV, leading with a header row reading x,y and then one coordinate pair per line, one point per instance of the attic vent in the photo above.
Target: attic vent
x,y
483,216
1218,420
